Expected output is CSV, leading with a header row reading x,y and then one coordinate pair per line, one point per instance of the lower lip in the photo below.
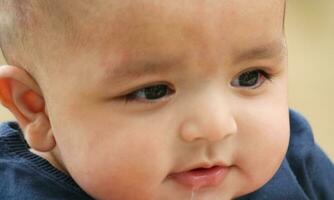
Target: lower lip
x,y
196,179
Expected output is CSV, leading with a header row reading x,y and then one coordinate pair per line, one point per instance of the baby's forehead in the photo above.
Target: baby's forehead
x,y
171,27
140,31
132,21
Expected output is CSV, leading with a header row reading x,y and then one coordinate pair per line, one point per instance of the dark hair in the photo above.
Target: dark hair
x,y
284,13
11,16
24,26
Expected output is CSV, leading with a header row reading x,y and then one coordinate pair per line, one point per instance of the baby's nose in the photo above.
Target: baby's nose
x,y
211,122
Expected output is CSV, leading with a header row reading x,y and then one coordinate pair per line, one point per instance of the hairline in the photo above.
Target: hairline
x,y
17,39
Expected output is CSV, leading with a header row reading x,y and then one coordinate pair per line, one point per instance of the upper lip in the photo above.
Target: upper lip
x,y
205,165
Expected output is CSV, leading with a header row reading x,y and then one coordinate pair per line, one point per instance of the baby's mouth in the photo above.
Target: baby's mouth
x,y
200,177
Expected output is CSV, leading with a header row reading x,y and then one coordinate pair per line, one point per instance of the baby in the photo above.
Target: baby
x,y
152,100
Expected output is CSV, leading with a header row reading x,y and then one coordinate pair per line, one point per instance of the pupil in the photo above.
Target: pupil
x,y
155,92
249,78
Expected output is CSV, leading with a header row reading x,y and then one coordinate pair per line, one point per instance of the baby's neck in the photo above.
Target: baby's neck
x,y
52,158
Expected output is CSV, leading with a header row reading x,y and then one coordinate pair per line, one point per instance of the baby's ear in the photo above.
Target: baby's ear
x,y
22,96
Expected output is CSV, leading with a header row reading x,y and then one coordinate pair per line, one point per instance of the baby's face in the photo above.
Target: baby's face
x,y
159,88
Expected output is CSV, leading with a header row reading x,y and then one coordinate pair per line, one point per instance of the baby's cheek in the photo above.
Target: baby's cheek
x,y
261,155
131,171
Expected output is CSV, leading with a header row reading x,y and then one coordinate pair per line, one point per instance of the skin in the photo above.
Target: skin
x,y
127,150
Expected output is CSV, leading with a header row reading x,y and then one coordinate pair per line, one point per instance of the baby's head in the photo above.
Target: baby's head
x,y
129,96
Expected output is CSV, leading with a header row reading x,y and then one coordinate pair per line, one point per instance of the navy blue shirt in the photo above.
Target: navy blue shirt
x,y
305,174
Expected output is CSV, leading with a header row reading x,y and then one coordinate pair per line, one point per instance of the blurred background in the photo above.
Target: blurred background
x,y
310,34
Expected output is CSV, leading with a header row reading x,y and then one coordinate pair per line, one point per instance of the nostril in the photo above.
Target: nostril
x,y
190,131
213,130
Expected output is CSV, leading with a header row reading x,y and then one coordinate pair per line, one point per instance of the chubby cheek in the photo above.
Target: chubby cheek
x,y
263,143
120,167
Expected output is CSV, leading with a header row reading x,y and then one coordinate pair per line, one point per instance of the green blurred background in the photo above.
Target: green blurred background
x,y
310,34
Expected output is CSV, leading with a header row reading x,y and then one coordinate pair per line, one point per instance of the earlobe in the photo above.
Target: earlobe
x,y
38,134
21,95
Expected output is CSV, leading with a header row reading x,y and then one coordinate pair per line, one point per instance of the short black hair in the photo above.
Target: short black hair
x,y
284,14
20,18
10,16
24,24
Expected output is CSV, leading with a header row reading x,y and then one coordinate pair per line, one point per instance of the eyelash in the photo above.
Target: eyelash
x,y
262,75
133,96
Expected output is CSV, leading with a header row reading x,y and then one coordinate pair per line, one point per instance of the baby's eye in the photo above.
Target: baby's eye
x,y
251,79
150,93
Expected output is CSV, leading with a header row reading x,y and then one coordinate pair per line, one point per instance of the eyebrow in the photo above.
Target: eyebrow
x,y
265,51
137,67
